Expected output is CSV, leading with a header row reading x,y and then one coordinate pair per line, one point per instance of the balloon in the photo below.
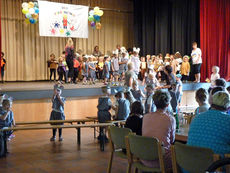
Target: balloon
x,y
35,4
31,11
97,18
28,15
100,13
91,12
35,16
91,18
24,5
96,9
36,21
32,21
27,21
98,25
92,24
25,10
36,10
31,5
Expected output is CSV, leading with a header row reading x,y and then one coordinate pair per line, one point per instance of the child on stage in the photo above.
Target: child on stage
x,y
106,69
115,67
215,75
104,106
7,116
52,64
3,65
185,68
85,69
76,66
92,70
61,68
57,110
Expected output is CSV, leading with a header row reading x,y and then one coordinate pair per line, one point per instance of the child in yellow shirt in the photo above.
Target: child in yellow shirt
x,y
185,68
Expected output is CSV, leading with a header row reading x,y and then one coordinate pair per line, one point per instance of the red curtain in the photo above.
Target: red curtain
x,y
215,37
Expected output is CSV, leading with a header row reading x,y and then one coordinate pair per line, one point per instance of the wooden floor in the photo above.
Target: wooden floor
x,y
32,152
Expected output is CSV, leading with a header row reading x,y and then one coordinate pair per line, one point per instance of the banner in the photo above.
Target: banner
x,y
63,20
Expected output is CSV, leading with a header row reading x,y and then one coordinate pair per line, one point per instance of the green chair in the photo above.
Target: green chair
x,y
191,159
117,143
143,148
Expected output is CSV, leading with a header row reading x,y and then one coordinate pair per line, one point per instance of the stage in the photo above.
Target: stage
x,y
44,89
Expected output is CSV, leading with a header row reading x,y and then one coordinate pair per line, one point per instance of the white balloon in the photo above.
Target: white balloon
x,y
24,5
31,11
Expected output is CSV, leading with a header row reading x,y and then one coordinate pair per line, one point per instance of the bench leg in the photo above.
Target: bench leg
x,y
5,144
94,130
102,140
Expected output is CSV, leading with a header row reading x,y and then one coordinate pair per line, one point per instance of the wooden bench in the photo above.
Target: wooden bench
x,y
78,126
120,123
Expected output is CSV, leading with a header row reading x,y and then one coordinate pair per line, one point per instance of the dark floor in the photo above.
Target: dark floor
x,y
32,152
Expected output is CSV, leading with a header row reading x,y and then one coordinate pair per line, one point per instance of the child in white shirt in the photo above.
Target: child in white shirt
x,y
215,75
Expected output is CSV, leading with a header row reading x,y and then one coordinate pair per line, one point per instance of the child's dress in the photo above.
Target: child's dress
x,y
104,105
85,71
91,71
106,70
58,110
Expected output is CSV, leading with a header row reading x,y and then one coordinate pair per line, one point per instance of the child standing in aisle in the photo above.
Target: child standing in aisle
x,y
104,106
57,110
92,70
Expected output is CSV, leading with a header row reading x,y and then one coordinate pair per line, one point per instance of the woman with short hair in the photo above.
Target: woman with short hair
x,y
160,125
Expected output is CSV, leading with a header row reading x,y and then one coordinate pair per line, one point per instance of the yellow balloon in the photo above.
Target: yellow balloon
x,y
100,13
96,9
31,5
27,21
25,10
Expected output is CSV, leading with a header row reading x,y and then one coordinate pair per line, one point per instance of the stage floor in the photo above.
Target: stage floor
x,y
45,85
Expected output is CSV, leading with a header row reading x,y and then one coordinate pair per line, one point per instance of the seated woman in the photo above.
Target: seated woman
x,y
160,125
202,100
211,129
134,122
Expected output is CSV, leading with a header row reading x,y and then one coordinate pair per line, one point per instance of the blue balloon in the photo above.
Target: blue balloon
x,y
32,20
28,15
36,10
97,18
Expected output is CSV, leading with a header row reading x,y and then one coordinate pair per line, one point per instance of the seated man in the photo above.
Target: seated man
x,y
123,107
7,117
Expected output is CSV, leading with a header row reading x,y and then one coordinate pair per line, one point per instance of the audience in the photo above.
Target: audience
x,y
221,82
160,125
213,91
136,92
202,100
212,128
134,122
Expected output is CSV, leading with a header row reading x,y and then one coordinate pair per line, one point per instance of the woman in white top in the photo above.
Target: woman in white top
x,y
197,61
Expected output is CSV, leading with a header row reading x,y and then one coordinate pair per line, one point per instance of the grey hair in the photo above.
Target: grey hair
x,y
221,99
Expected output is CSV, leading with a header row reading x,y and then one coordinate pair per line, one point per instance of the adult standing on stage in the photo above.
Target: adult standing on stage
x,y
69,54
96,51
197,61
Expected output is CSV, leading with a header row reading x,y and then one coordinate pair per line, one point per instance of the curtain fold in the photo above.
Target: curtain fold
x,y
215,36
166,26
27,53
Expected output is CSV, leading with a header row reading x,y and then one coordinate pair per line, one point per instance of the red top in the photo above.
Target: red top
x,y
76,63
